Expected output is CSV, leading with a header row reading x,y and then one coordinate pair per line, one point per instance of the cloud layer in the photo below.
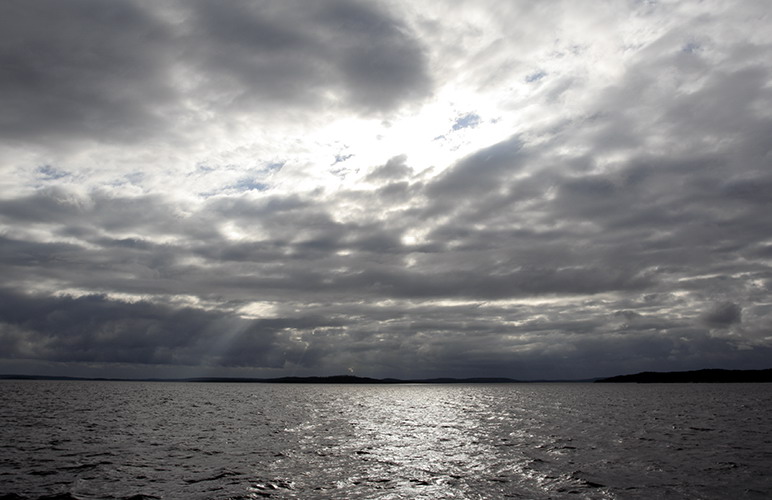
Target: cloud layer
x,y
275,188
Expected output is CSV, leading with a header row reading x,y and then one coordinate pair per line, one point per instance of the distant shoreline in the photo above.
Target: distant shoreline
x,y
694,376
707,376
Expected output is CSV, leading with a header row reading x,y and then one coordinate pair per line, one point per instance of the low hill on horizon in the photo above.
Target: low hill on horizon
x,y
712,375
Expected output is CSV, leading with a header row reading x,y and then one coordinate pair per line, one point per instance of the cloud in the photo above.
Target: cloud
x,y
256,188
394,169
479,173
723,315
83,69
129,71
96,329
284,54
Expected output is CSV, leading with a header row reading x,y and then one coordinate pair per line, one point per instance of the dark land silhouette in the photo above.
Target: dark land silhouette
x,y
694,376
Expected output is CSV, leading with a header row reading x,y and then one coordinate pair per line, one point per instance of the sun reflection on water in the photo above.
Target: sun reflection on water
x,y
436,442
398,442
419,440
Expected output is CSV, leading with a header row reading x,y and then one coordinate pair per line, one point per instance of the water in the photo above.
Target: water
x,y
105,440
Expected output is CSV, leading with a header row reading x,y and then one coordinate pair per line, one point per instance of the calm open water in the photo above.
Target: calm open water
x,y
106,440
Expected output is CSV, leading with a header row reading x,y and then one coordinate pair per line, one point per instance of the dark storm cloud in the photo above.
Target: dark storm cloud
x,y
94,328
279,53
539,340
480,173
82,68
125,71
723,315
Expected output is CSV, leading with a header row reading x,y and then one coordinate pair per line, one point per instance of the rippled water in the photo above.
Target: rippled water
x,y
184,440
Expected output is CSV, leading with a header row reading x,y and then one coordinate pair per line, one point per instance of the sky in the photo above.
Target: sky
x,y
536,190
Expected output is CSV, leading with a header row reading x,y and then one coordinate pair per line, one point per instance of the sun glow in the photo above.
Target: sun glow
x,y
454,124
257,310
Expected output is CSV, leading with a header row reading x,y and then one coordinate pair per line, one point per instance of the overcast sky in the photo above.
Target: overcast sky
x,y
552,189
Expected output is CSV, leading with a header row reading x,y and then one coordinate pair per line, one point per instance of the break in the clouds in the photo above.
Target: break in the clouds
x,y
480,188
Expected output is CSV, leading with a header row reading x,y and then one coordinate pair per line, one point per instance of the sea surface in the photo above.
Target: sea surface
x,y
104,440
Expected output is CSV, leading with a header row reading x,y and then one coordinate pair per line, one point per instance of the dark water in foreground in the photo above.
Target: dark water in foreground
x,y
200,441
